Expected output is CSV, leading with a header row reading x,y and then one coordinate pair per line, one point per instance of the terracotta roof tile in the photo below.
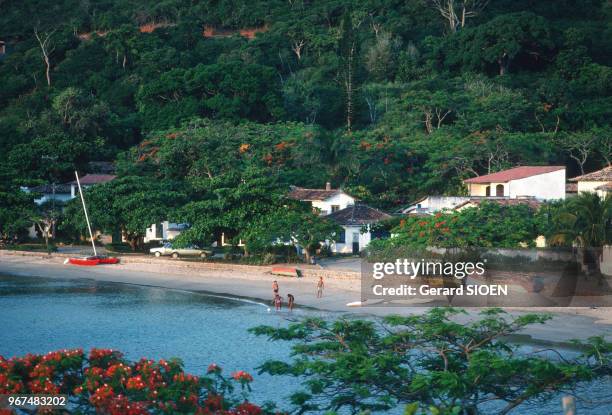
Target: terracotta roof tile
x,y
514,174
602,175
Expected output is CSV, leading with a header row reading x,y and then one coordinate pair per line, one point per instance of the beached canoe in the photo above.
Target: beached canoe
x,y
286,271
92,260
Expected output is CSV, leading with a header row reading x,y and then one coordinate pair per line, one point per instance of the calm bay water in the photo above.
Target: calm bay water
x,y
38,315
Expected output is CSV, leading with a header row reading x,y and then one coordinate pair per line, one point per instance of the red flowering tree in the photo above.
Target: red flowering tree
x,y
104,382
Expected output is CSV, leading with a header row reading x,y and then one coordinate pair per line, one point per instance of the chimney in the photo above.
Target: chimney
x,y
328,186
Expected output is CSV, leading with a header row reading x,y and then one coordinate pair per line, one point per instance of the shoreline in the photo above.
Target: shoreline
x,y
255,283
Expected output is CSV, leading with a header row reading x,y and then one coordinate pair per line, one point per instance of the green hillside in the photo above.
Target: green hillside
x,y
389,99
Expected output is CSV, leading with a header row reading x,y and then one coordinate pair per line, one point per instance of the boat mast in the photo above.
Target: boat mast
x,y
93,245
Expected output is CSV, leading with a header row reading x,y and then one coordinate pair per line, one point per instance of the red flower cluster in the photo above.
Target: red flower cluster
x,y
242,376
107,383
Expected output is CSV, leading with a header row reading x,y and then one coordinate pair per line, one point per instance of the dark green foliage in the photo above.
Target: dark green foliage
x,y
439,361
424,106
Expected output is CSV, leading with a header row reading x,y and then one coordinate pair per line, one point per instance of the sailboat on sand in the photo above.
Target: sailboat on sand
x,y
95,259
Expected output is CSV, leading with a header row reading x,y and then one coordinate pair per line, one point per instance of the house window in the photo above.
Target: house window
x,y
341,237
335,208
488,191
499,190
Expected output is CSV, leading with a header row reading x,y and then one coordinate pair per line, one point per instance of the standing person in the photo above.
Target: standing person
x,y
278,302
290,301
320,286
275,287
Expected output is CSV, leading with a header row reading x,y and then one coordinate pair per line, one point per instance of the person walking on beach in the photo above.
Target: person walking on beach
x,y
275,287
290,301
320,286
278,302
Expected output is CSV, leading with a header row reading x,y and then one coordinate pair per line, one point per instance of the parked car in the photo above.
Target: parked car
x,y
190,250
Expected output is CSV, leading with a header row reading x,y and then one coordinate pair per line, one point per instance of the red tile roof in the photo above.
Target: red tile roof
x,y
95,178
516,173
603,175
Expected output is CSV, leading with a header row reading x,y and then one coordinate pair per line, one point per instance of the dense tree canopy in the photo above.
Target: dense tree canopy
x,y
389,99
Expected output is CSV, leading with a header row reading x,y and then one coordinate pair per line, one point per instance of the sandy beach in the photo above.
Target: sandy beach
x,y
255,282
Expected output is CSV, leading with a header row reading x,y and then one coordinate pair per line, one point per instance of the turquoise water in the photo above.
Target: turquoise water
x,y
39,315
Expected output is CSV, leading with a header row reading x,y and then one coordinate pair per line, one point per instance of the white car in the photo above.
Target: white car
x,y
169,250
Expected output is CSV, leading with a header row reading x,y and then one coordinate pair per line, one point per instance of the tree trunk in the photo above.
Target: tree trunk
x,y
503,63
307,255
349,95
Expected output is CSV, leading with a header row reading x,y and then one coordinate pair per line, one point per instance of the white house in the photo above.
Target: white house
x,y
164,231
89,180
326,200
353,219
49,192
539,182
598,181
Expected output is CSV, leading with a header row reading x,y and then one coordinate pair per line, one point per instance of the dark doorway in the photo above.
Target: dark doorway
x,y
499,190
355,244
488,191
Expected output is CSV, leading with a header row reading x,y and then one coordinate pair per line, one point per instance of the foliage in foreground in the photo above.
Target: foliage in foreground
x,y
104,382
432,363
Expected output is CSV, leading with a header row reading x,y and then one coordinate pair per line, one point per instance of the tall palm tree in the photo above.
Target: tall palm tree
x,y
586,221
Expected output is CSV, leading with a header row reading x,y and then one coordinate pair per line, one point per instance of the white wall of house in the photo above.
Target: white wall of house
x,y
61,197
603,193
340,199
547,186
432,204
588,186
168,232
351,232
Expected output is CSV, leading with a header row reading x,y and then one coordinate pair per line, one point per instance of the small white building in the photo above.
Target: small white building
x,y
89,180
539,182
325,201
431,204
354,219
164,231
598,181
50,192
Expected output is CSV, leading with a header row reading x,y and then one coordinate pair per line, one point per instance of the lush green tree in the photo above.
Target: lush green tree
x,y
585,219
502,41
129,204
430,362
297,227
487,225
16,213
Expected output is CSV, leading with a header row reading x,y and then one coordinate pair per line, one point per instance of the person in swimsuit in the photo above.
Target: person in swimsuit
x,y
275,287
278,302
320,286
290,301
